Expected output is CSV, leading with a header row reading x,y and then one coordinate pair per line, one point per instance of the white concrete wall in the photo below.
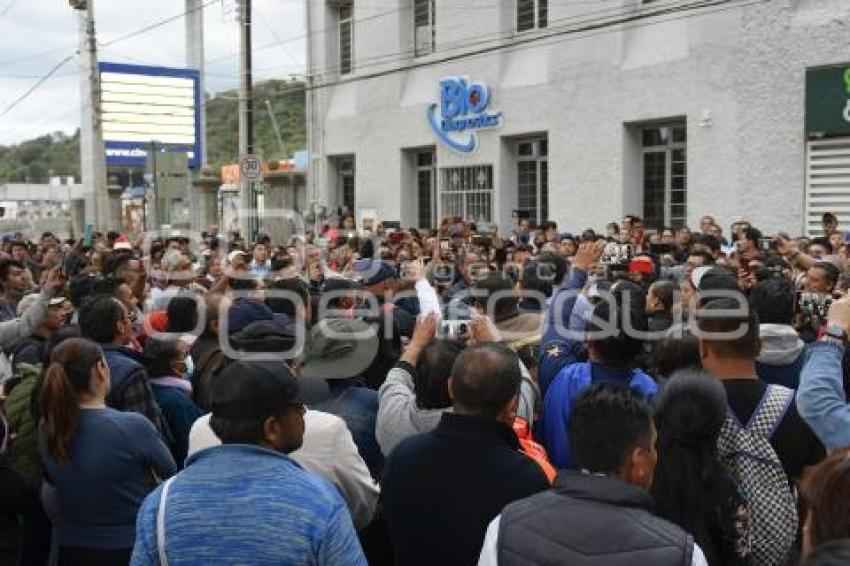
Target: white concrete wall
x,y
743,67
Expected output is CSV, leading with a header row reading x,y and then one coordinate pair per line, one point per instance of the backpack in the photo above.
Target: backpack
x,y
745,452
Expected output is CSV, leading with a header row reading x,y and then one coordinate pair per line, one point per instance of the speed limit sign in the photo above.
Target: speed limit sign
x,y
251,167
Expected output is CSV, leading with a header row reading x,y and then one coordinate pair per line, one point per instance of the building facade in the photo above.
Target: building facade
x,y
580,112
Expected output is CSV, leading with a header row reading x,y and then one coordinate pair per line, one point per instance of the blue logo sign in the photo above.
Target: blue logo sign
x,y
462,111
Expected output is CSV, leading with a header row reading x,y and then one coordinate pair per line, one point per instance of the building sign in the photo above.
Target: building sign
x,y
149,108
828,100
462,112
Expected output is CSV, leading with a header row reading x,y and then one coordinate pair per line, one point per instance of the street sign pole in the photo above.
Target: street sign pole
x,y
250,173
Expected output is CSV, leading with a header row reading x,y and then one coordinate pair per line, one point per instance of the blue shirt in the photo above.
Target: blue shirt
x,y
112,456
243,504
566,387
821,399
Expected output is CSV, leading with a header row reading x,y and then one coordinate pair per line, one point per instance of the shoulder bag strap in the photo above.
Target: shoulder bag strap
x,y
160,523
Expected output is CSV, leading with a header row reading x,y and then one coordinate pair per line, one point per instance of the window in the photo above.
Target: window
x,y
665,175
467,192
424,26
346,36
533,178
425,186
346,184
531,14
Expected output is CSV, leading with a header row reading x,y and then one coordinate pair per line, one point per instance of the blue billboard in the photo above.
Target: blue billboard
x,y
147,109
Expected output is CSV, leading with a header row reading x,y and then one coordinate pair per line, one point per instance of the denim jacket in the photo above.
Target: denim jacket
x,y
821,400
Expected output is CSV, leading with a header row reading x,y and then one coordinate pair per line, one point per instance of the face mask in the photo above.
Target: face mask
x,y
190,367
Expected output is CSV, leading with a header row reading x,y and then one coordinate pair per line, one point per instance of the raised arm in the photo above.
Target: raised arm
x,y
564,299
821,399
13,330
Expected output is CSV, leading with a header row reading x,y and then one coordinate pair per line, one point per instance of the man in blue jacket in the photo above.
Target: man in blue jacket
x,y
611,352
246,501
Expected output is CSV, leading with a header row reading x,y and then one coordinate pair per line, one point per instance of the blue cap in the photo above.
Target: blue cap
x,y
372,272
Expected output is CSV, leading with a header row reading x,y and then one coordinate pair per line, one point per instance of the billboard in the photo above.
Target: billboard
x,y
145,108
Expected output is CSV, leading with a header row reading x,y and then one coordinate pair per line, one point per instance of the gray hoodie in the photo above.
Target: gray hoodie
x,y
781,345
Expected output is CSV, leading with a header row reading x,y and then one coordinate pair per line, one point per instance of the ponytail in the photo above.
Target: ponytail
x,y
68,375
60,410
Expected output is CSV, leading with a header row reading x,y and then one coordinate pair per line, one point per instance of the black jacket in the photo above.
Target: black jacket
x,y
588,519
441,489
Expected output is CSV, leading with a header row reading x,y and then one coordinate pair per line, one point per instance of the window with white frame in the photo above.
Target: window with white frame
x,y
346,39
346,187
533,178
665,175
424,26
467,192
531,14
426,183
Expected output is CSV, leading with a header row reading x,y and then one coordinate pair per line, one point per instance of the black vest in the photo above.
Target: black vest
x,y
590,520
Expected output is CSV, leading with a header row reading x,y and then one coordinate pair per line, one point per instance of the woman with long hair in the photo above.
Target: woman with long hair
x,y
827,493
102,461
690,486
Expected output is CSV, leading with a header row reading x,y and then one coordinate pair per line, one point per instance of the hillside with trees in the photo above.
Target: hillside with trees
x,y
58,153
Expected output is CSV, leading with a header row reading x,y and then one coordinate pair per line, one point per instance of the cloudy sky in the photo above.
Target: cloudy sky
x,y
35,35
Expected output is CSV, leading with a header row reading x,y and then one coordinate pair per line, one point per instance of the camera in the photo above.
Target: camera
x,y
453,329
617,254
767,245
814,305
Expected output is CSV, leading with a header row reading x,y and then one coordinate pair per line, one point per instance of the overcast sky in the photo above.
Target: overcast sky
x,y
35,35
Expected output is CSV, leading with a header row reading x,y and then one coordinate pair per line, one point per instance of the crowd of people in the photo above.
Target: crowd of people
x,y
447,396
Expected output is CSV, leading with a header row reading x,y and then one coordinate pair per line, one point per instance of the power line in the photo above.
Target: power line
x,y
477,40
37,84
585,26
7,8
156,25
309,34
602,27
35,56
505,34
572,24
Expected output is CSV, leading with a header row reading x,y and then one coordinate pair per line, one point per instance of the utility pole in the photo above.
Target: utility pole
x,y
280,143
92,152
195,60
247,200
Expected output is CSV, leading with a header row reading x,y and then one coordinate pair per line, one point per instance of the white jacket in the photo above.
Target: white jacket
x,y
328,450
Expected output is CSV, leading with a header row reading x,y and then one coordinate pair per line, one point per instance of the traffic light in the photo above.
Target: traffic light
x,y
78,4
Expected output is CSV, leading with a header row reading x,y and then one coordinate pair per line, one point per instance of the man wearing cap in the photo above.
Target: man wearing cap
x,y
340,351
30,350
246,501
705,283
397,313
567,244
176,277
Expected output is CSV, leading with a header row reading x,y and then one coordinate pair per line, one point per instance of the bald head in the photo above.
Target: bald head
x,y
485,380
